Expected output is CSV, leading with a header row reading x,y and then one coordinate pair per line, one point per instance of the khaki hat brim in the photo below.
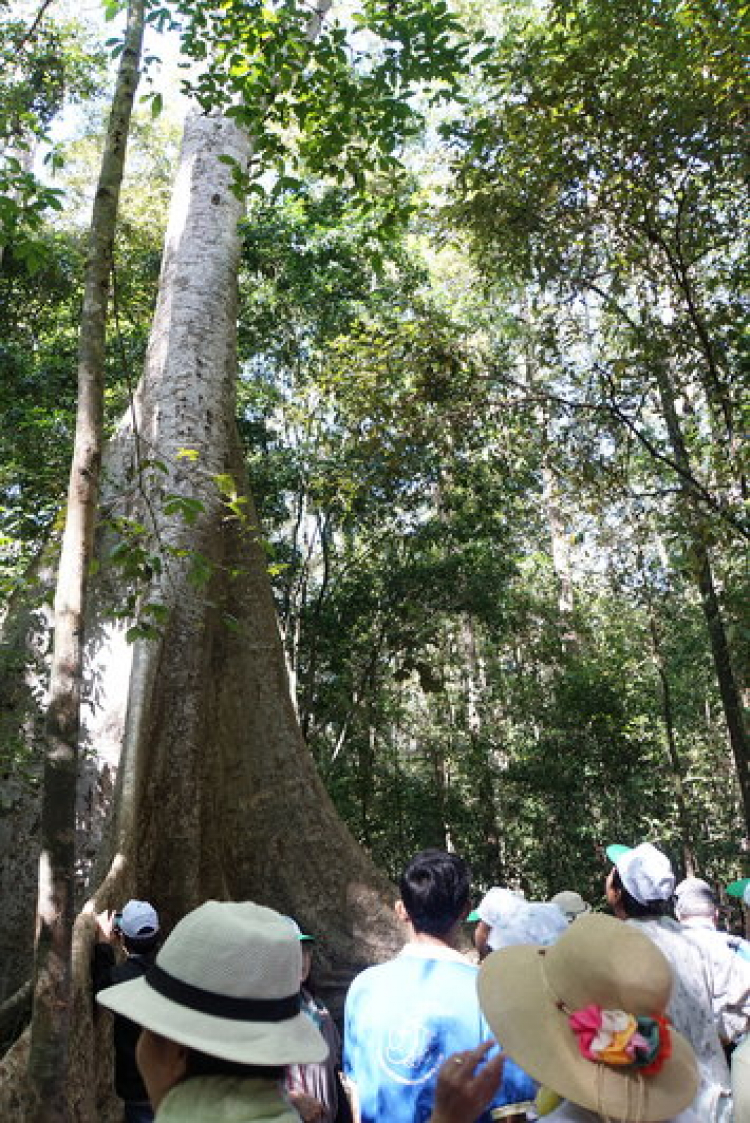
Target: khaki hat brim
x,y
295,1040
532,1030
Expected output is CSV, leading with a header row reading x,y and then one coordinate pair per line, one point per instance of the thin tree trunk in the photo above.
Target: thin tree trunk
x,y
551,496
475,682
561,554
725,673
311,684
55,908
718,395
665,691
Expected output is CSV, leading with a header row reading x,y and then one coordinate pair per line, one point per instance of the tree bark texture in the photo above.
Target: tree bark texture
x,y
24,675
675,762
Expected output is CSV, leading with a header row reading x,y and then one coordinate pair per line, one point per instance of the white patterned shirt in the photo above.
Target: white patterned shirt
x,y
691,1012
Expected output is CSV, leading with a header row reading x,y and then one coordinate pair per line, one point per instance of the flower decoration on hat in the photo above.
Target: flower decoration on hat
x,y
614,1037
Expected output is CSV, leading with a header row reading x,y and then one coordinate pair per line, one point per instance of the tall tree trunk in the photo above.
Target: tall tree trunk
x,y
551,493
55,907
729,689
218,793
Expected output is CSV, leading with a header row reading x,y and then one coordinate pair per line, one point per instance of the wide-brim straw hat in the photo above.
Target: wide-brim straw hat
x,y
227,983
527,994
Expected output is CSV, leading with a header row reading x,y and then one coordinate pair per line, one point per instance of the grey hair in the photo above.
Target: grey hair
x,y
694,897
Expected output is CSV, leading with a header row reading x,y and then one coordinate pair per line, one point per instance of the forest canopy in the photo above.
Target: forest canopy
x,y
491,398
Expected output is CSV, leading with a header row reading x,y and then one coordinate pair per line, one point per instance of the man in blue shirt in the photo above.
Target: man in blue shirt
x,y
404,1017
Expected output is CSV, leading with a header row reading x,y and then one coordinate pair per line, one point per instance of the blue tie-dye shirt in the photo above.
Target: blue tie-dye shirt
x,y
402,1020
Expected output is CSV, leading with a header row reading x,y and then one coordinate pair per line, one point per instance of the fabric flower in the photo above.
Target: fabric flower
x,y
616,1038
655,1061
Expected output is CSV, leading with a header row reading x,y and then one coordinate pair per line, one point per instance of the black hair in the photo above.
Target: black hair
x,y
201,1064
634,908
435,891
140,945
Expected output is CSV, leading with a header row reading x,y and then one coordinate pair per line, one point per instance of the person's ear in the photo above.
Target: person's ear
x,y
401,912
614,900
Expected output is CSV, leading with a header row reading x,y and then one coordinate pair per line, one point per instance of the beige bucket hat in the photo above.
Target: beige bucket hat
x,y
528,995
226,982
571,904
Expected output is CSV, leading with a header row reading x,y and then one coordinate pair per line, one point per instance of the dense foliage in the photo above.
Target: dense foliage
x,y
492,420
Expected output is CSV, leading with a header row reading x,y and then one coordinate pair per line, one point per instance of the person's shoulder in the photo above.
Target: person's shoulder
x,y
458,968
131,968
410,968
368,976
685,954
436,961
714,947
661,929
225,1097
705,938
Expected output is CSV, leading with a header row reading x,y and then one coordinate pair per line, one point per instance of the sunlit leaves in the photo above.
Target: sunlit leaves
x,y
340,102
603,169
40,70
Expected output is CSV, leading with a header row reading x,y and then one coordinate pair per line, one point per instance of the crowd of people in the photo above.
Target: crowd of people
x,y
570,1015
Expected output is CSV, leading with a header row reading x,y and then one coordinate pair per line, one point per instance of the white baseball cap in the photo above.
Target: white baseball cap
x,y
646,873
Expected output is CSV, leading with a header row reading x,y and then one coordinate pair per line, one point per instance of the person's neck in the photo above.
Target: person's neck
x,y
698,922
449,940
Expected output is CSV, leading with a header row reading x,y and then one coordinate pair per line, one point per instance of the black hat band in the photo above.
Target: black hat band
x,y
221,1005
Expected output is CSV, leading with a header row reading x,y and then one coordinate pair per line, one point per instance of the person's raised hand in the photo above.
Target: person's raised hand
x,y
463,1090
104,925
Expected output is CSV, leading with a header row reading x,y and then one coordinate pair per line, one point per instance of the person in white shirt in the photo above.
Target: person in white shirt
x,y
639,890
695,908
